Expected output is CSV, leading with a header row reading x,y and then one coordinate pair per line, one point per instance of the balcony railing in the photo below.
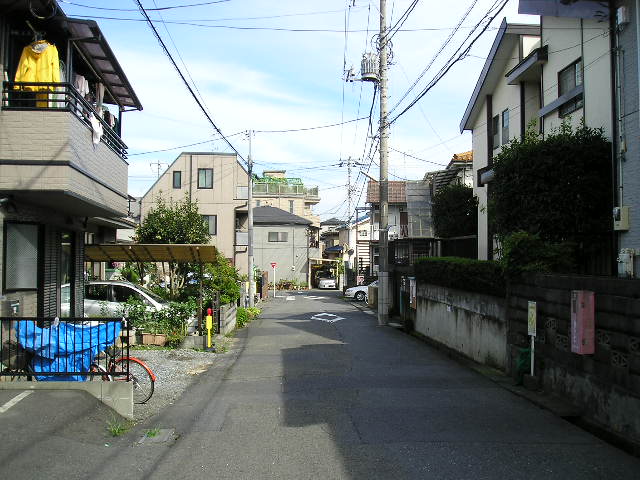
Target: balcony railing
x,y
59,97
260,188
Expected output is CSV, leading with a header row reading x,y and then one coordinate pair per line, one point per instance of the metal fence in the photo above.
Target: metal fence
x,y
56,349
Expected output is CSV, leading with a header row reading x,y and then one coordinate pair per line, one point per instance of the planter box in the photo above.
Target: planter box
x,y
122,340
154,339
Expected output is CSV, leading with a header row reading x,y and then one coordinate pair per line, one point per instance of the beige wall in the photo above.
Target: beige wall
x,y
570,39
34,137
221,200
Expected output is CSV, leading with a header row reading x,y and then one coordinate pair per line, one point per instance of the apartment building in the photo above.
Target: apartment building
x,y
219,183
63,163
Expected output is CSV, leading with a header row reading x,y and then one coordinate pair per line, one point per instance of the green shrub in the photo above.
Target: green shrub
x,y
526,252
479,276
455,211
245,315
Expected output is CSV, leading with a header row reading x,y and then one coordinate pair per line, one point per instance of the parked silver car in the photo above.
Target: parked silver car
x,y
107,298
360,292
327,283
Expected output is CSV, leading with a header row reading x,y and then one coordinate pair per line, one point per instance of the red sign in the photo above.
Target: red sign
x,y
274,264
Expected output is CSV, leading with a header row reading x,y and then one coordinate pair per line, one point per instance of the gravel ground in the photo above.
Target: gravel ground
x,y
175,370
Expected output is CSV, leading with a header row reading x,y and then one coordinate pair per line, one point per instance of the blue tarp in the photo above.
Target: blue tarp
x,y
65,348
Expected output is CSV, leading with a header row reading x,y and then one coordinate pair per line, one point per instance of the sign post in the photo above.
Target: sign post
x,y
531,327
274,265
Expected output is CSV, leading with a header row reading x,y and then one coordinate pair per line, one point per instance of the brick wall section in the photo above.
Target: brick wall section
x,y
607,384
60,136
631,123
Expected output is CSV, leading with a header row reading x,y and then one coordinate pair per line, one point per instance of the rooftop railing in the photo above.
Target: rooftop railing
x,y
59,97
267,188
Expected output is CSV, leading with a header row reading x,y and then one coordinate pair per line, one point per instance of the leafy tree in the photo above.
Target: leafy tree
x,y
219,276
173,223
557,187
455,211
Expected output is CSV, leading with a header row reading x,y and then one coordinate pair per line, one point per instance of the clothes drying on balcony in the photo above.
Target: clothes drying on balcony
x,y
39,62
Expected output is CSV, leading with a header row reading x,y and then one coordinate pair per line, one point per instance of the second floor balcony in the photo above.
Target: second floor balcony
x,y
271,189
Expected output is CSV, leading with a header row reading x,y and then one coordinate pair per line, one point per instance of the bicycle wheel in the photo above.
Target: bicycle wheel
x,y
140,375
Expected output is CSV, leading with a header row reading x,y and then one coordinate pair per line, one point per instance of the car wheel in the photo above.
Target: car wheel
x,y
359,296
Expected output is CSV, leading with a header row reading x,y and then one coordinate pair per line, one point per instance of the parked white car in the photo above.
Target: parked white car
x,y
327,283
360,292
108,298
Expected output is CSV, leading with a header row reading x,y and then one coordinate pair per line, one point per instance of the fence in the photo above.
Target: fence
x,y
227,318
54,349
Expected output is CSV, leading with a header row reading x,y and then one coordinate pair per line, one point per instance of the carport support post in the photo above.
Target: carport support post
x,y
200,324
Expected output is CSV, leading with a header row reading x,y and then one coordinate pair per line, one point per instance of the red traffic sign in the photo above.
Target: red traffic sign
x,y
274,264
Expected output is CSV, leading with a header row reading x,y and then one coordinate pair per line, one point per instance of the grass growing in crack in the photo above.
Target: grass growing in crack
x,y
117,427
152,432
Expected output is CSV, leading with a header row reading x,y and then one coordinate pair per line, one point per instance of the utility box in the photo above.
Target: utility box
x,y
621,218
582,322
625,263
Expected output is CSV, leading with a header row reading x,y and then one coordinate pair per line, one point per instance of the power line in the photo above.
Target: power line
x,y
311,128
148,9
184,80
182,146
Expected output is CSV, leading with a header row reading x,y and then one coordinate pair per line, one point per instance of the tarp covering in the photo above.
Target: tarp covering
x,y
66,347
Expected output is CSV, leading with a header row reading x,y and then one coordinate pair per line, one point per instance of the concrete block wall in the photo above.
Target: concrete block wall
x,y
227,319
606,385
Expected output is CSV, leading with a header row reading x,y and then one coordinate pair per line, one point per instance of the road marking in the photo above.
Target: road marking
x,y
369,312
314,297
327,317
290,298
14,400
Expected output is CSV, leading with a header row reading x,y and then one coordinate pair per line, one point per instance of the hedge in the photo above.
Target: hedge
x,y
481,276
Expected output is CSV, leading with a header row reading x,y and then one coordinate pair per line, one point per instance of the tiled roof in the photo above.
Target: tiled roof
x,y
463,157
397,192
268,215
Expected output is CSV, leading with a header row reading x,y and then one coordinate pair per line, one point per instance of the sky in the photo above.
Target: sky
x,y
262,65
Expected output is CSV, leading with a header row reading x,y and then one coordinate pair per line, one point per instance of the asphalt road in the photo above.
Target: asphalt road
x,y
317,390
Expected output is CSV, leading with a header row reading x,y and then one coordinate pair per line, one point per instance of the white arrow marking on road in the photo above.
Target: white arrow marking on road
x,y
14,400
290,298
327,317
313,297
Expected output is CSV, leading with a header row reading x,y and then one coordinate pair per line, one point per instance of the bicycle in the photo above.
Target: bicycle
x,y
127,368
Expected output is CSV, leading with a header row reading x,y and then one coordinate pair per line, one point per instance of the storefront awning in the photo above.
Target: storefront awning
x,y
150,252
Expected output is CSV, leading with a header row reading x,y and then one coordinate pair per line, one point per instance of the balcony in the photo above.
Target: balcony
x,y
266,189
49,155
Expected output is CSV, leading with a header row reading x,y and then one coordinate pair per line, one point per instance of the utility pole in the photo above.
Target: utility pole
x,y
383,269
252,284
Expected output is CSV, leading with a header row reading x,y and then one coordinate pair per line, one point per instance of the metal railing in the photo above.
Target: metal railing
x,y
49,349
58,97
267,188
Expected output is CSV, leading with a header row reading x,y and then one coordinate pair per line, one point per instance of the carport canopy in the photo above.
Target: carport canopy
x,y
150,252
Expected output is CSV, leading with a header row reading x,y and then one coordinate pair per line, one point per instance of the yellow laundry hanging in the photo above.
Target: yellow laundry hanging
x,y
39,62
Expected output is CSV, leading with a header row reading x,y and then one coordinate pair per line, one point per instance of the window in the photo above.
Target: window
x,y
568,79
212,223
278,236
290,206
99,292
177,179
363,233
495,131
65,270
121,294
257,203
505,126
21,256
205,178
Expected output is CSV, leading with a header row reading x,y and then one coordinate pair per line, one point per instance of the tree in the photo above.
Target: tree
x,y
558,187
455,211
553,194
173,223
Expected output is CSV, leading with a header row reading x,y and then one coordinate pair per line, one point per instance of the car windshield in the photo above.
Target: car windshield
x,y
153,295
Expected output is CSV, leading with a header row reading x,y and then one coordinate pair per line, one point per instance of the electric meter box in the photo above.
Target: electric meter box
x,y
582,322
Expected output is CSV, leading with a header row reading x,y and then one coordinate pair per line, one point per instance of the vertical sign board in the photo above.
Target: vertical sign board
x,y
582,322
412,292
531,319
531,328
274,265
